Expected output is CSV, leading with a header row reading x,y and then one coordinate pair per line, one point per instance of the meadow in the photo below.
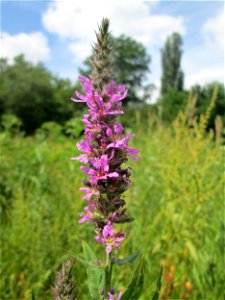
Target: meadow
x,y
176,199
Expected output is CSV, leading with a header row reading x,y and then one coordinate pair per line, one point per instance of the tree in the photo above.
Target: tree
x,y
204,97
33,94
172,75
171,103
130,65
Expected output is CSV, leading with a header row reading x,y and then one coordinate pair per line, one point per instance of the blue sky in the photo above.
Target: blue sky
x,y
59,33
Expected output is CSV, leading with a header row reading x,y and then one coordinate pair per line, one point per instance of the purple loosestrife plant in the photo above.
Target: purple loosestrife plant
x,y
104,151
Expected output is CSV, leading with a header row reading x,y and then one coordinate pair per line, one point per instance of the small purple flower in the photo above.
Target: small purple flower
x,y
111,296
88,89
115,92
121,142
97,106
101,169
90,192
88,215
102,109
85,146
109,238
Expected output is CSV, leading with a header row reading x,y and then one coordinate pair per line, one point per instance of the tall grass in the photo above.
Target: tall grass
x,y
176,199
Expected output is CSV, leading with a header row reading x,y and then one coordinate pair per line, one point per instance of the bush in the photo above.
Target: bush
x,y
49,130
171,104
11,123
74,127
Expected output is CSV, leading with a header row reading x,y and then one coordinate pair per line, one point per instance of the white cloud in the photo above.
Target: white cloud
x,y
76,21
202,66
80,50
33,45
213,31
205,63
206,75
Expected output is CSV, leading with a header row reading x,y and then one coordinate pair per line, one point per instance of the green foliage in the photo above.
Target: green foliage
x,y
33,94
172,75
49,130
95,273
10,123
128,260
176,198
74,127
136,115
203,98
171,103
158,287
135,288
130,65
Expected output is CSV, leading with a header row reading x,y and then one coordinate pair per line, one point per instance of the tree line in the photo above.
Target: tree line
x,y
35,95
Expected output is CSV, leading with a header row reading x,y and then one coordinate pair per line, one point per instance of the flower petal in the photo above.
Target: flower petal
x,y
82,158
119,295
104,163
113,175
108,249
77,100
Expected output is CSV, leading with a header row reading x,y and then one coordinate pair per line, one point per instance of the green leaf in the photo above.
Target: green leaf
x,y
33,297
197,280
127,260
84,262
192,250
158,287
96,274
135,287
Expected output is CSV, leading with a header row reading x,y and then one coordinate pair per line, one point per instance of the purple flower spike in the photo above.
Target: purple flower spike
x,y
104,149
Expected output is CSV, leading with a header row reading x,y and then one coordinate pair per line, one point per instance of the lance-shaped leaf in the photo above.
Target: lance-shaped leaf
x,y
96,275
127,260
158,287
32,295
86,263
135,288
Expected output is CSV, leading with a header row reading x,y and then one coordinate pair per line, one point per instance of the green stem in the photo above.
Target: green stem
x,y
108,276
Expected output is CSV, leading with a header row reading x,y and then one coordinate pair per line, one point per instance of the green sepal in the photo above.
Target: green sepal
x,y
158,287
95,273
125,220
121,221
135,287
127,260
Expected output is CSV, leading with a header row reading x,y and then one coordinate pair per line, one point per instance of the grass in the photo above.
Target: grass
x,y
176,199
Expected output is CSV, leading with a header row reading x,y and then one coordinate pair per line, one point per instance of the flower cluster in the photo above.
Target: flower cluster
x,y
105,148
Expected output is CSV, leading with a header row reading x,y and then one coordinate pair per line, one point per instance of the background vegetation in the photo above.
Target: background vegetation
x,y
176,196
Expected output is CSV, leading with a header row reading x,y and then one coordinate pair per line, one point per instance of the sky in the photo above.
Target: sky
x,y
59,33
